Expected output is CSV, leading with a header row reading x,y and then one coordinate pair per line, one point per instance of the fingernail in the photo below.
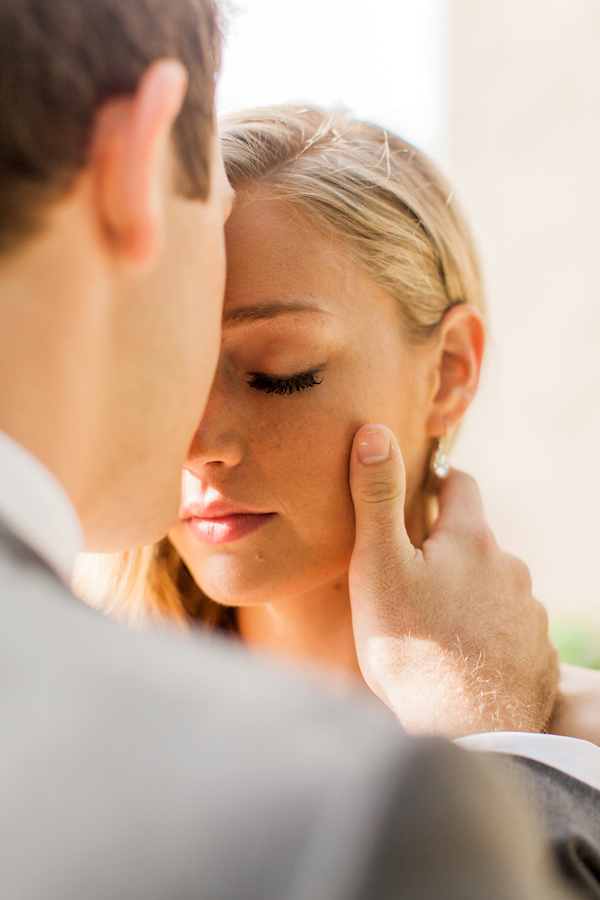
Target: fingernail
x,y
373,447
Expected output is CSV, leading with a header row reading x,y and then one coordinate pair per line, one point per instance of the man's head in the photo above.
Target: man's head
x,y
112,205
61,60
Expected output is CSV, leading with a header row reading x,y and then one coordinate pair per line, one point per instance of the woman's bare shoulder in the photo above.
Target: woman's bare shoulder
x,y
577,709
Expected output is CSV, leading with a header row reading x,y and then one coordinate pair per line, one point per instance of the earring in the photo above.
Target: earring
x,y
440,464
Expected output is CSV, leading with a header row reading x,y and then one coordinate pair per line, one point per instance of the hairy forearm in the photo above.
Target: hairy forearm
x,y
453,692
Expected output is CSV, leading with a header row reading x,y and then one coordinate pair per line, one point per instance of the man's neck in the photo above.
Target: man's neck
x,y
48,369
35,508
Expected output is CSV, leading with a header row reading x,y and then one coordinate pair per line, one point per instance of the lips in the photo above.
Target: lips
x,y
225,529
221,522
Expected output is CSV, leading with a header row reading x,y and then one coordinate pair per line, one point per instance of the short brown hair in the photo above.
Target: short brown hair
x,y
61,59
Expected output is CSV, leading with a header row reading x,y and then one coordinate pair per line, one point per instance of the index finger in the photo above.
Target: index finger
x,y
460,506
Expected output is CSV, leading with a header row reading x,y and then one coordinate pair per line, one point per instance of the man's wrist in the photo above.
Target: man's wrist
x,y
447,692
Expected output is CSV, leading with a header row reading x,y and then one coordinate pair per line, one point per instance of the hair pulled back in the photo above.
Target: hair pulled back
x,y
374,192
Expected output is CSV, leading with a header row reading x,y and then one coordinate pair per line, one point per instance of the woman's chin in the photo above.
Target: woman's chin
x,y
236,582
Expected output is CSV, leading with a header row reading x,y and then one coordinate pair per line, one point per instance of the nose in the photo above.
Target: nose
x,y
217,441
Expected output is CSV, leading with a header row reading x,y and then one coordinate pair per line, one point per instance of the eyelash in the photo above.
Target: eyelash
x,y
289,385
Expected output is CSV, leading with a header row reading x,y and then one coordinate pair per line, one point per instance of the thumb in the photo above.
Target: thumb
x,y
378,487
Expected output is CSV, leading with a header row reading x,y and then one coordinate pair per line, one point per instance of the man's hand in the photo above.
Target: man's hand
x,y
448,636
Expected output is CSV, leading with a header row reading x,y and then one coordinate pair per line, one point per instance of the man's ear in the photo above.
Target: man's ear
x,y
133,162
461,346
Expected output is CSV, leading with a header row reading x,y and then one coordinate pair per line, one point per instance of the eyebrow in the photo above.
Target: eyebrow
x,y
244,315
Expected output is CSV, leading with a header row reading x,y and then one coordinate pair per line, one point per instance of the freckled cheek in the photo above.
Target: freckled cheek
x,y
305,460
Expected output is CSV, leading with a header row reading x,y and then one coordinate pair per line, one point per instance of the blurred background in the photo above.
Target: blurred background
x,y
505,98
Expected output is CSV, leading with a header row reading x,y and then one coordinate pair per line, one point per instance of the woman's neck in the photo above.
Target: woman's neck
x,y
315,628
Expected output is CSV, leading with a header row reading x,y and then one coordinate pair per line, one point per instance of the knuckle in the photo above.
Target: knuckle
x,y
484,540
521,572
542,613
381,491
468,481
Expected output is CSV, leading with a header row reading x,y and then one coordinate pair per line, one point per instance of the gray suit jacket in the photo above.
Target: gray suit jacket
x,y
157,767
569,813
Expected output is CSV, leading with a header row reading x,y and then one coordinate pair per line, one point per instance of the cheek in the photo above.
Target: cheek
x,y
303,452
305,446
308,460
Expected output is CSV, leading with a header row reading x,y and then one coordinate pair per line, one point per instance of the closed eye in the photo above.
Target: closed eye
x,y
290,385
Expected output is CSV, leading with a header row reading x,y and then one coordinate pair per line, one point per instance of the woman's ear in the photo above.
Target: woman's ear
x,y
461,346
131,150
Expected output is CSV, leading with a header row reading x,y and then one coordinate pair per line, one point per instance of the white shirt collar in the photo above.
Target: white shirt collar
x,y
35,507
577,758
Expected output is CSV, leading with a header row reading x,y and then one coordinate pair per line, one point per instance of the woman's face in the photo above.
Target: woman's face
x,y
312,349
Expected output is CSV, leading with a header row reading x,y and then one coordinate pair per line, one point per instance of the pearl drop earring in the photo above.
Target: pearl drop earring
x,y
440,464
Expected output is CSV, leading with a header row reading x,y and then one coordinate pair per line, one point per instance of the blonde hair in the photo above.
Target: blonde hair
x,y
371,190
381,199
